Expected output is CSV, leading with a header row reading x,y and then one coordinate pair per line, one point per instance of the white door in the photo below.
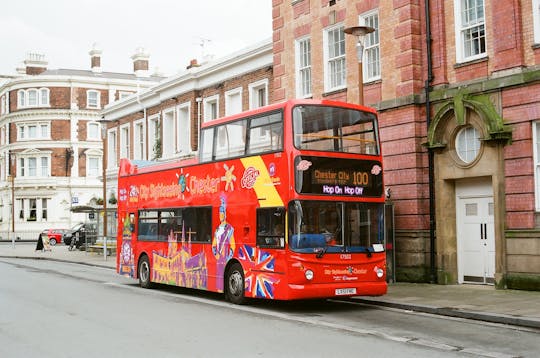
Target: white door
x,y
475,232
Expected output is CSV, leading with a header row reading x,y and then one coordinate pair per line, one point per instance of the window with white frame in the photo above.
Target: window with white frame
x,y
124,94
32,206
168,146
44,207
93,163
372,59
536,20
334,58
211,108
184,129
233,101
93,99
21,99
32,131
139,140
3,105
258,94
536,158
154,137
33,97
44,166
124,141
303,67
44,96
111,149
33,165
32,209
470,30
93,131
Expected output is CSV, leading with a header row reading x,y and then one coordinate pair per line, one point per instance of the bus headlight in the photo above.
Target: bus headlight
x,y
379,271
309,274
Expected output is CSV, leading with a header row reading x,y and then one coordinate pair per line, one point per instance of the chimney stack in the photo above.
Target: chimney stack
x,y
140,62
35,63
193,63
95,58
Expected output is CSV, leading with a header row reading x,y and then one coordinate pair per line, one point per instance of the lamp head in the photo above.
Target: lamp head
x,y
359,31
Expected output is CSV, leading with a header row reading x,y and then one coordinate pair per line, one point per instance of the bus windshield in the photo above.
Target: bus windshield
x,y
335,129
334,226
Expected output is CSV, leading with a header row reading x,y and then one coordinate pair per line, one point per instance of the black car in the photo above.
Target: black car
x,y
85,232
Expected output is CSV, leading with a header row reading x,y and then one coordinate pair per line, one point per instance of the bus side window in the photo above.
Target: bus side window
x,y
270,227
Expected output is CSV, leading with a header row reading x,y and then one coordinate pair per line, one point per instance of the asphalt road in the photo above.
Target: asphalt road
x,y
54,309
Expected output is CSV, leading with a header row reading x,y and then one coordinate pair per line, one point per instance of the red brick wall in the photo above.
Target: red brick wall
x,y
59,97
506,23
405,171
520,107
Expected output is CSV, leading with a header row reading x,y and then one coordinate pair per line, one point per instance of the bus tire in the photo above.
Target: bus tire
x,y
235,284
144,272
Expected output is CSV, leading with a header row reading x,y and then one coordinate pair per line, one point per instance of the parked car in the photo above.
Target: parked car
x,y
55,235
87,232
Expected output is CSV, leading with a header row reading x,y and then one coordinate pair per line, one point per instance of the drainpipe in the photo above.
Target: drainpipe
x,y
199,123
432,221
145,120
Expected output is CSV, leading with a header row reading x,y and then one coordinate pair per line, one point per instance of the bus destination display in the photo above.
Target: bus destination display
x,y
331,176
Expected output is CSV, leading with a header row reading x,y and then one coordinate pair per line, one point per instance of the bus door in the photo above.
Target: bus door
x,y
126,257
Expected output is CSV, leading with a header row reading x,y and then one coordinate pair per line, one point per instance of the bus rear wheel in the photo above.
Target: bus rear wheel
x,y
144,272
235,284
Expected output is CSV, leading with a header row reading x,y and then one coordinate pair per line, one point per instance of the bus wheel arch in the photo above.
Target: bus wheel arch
x,y
144,271
234,287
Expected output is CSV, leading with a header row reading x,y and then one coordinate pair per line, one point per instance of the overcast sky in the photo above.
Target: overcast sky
x,y
171,31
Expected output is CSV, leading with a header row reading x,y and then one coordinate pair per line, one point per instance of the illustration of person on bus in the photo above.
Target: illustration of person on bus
x,y
223,244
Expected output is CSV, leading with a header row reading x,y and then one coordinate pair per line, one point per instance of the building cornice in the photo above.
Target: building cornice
x,y
445,92
72,81
50,114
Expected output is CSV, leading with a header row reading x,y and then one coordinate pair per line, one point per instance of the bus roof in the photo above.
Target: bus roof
x,y
131,167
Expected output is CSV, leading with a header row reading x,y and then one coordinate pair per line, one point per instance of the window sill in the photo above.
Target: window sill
x,y
471,62
336,91
373,81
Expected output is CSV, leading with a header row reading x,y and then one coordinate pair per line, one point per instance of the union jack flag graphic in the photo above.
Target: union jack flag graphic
x,y
259,271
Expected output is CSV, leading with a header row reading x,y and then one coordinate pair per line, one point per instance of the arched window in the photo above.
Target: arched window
x,y
44,97
21,96
33,98
93,99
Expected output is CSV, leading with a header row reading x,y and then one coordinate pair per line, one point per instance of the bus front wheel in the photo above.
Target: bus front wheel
x,y
144,273
235,284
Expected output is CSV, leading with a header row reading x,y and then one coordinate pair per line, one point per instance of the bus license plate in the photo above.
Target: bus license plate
x,y
345,291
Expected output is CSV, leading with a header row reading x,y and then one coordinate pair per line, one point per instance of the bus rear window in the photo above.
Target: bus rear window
x,y
335,129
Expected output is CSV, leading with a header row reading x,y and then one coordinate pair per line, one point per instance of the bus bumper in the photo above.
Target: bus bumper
x,y
331,290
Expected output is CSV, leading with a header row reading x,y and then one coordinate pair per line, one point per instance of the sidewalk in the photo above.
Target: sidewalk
x,y
59,252
485,303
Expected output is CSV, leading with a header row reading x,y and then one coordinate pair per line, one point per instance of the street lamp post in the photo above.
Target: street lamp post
x,y
11,157
104,174
360,32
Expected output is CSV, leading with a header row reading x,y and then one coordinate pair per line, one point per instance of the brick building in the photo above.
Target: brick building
x,y
459,121
50,140
162,122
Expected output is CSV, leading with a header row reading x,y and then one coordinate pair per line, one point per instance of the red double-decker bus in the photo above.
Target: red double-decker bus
x,y
283,202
